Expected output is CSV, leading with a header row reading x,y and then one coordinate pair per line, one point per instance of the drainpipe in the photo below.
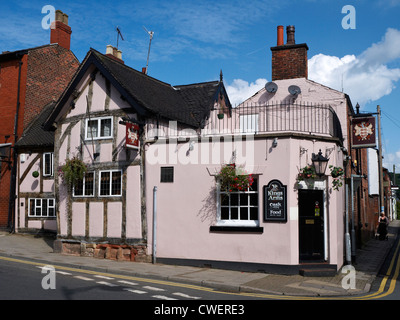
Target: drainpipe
x,y
154,224
347,234
11,204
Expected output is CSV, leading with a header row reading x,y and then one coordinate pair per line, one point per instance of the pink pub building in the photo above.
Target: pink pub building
x,y
176,174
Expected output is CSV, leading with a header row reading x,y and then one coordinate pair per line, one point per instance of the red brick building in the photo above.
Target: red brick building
x,y
29,80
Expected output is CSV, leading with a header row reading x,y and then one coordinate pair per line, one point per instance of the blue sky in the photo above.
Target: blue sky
x,y
194,40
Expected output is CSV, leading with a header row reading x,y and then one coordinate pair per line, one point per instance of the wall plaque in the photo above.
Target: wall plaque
x,y
275,202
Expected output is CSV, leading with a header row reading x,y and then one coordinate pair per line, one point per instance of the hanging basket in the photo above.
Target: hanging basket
x,y
234,179
73,170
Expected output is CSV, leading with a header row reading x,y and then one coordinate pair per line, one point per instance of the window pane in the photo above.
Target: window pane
x,y
116,183
105,183
52,212
224,199
105,128
243,199
32,207
92,129
253,213
234,214
224,213
78,188
234,199
89,184
254,186
167,174
48,163
44,208
254,199
244,213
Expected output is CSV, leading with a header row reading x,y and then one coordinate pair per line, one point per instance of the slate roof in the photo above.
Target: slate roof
x,y
35,135
188,104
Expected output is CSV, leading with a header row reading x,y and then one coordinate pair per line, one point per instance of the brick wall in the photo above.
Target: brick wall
x,y
46,71
49,71
289,62
9,71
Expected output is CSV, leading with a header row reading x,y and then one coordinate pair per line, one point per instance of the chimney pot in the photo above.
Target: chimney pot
x,y
114,53
280,36
290,35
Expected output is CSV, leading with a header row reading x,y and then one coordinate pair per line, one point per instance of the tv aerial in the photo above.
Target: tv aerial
x,y
119,35
151,34
294,90
271,87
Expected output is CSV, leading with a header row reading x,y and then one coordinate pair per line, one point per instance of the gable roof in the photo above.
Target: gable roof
x,y
148,96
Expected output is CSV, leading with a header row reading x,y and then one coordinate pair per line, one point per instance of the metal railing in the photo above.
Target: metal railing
x,y
316,119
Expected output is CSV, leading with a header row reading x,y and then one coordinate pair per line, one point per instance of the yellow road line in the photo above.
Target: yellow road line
x,y
375,295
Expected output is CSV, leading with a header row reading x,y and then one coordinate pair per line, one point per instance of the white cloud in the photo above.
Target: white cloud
x,y
364,78
241,90
391,159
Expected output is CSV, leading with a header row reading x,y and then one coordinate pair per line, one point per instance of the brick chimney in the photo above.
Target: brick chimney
x,y
114,53
289,61
60,30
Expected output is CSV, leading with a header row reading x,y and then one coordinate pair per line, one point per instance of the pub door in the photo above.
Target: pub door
x,y
311,225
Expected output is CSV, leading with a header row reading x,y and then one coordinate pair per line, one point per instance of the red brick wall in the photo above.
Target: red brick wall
x,y
61,33
49,71
46,71
9,71
289,62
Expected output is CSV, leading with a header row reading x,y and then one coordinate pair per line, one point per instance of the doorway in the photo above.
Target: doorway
x,y
311,225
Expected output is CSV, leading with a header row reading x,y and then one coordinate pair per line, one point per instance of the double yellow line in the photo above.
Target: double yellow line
x,y
380,293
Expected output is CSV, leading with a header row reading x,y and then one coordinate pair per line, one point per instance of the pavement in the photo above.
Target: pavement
x,y
369,260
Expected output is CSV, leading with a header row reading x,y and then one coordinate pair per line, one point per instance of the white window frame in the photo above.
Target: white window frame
x,y
98,119
237,222
48,174
84,187
39,204
248,123
110,171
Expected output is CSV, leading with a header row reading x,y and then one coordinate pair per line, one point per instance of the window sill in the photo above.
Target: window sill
x,y
236,229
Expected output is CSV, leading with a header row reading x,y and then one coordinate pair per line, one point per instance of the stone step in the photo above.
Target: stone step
x,y
314,272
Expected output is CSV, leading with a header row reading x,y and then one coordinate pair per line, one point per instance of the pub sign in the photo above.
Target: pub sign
x,y
275,202
132,136
363,132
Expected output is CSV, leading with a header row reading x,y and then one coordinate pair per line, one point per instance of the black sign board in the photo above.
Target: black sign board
x,y
275,201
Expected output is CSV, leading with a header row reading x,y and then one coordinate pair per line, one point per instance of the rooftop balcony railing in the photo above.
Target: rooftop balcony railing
x,y
282,117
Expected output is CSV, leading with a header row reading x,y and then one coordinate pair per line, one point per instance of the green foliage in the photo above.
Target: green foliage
x,y
234,179
308,172
337,174
72,171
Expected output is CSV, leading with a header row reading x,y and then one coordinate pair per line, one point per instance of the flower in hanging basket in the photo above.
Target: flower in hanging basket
x,y
336,171
234,179
308,172
35,174
73,170
337,174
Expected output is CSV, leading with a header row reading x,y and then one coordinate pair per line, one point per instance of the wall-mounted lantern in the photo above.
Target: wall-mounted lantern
x,y
320,163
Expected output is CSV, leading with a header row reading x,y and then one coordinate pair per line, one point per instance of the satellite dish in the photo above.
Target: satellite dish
x,y
294,90
271,87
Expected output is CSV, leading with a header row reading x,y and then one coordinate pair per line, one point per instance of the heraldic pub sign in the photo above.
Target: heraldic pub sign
x,y
363,132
